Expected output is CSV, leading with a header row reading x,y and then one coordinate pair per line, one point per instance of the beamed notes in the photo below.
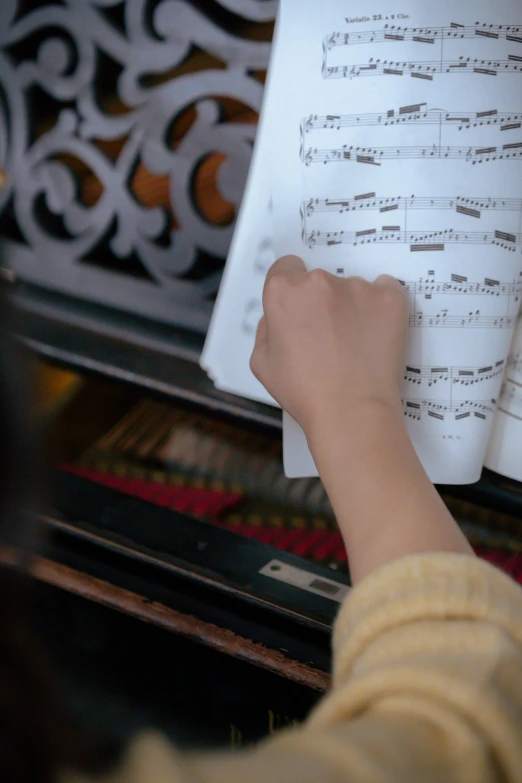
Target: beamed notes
x,y
396,147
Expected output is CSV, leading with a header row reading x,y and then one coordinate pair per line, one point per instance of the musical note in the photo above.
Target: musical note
x,y
426,35
374,156
423,69
436,391
471,319
440,409
443,139
428,288
460,285
418,114
474,221
419,241
461,376
469,206
445,44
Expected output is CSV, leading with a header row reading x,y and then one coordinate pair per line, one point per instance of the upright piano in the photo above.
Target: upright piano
x,y
185,583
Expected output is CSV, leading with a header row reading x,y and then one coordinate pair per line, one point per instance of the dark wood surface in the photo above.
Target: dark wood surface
x,y
122,675
155,613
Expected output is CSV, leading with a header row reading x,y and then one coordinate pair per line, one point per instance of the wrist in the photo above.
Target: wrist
x,y
353,426
383,501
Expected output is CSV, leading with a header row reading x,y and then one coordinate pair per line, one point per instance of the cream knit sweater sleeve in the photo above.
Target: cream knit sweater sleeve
x,y
427,687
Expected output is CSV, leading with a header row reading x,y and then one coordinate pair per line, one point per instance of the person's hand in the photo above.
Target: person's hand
x,y
327,345
331,352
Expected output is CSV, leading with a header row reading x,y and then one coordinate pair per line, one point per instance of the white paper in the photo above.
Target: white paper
x,y
231,335
504,454
397,147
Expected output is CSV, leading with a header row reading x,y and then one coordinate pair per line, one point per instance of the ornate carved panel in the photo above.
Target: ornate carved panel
x,y
126,130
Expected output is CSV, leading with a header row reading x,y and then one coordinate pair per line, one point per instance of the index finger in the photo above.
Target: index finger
x,y
289,265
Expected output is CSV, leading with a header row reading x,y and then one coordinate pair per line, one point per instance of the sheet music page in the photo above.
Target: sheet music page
x,y
231,335
504,453
397,148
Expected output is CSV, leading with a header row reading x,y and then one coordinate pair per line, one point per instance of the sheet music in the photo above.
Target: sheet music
x,y
504,453
397,147
231,335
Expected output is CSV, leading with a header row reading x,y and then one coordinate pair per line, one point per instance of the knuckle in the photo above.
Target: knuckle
x,y
317,284
358,286
393,299
392,294
318,277
386,280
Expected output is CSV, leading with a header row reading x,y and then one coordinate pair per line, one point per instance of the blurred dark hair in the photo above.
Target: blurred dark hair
x,y
38,738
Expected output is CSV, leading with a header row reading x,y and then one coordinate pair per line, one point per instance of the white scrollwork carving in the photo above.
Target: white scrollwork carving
x,y
90,92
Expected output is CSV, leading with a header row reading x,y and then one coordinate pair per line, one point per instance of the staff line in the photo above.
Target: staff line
x,y
420,241
418,114
374,155
463,375
466,205
425,35
425,69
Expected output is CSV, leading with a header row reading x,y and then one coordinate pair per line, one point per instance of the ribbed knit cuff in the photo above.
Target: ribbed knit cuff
x,y
430,586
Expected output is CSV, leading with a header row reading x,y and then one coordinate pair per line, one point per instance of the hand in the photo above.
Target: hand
x,y
328,345
332,353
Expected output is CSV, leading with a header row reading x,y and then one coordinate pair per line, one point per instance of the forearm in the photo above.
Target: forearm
x,y
385,505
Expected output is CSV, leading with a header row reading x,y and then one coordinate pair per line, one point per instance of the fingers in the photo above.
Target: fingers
x,y
283,270
395,296
388,281
294,265
286,265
